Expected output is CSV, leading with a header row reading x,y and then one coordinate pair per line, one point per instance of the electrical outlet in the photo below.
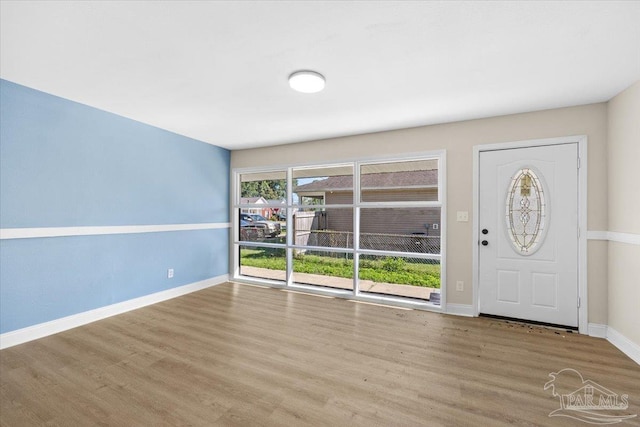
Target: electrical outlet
x,y
459,286
462,216
170,273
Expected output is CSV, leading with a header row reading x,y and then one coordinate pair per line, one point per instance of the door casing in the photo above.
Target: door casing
x,y
581,140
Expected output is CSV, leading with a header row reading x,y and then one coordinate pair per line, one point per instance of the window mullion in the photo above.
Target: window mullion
x,y
356,229
290,241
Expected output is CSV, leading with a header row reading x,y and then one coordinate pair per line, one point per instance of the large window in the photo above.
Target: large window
x,y
370,230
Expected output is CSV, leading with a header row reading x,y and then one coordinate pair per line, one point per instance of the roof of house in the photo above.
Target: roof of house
x,y
261,201
384,180
250,200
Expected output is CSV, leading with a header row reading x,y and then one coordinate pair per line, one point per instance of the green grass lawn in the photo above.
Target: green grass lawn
x,y
377,269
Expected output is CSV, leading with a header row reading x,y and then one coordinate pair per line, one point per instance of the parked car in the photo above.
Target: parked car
x,y
271,228
273,225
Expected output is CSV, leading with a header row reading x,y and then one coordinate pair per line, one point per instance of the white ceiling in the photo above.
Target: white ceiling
x,y
217,71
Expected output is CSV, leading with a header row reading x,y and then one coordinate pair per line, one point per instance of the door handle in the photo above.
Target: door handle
x,y
485,243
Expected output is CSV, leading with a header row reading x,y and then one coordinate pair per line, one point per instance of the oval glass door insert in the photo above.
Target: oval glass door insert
x,y
526,211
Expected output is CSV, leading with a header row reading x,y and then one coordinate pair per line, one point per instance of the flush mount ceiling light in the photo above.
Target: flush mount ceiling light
x,y
306,81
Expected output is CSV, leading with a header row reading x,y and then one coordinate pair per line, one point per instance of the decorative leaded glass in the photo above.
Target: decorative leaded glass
x,y
526,211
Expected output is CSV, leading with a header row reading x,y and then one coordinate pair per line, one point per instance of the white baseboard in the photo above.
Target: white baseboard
x,y
30,333
624,344
460,309
597,330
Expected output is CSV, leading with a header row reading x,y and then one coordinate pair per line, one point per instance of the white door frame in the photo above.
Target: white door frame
x,y
583,313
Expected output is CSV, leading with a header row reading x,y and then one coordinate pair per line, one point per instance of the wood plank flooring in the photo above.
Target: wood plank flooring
x,y
242,355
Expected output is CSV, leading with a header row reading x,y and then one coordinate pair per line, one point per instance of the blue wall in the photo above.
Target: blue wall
x,y
63,164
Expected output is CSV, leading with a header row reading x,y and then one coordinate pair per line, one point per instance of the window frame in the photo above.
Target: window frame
x,y
357,204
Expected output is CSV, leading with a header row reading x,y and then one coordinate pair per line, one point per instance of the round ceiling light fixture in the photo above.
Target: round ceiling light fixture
x,y
306,81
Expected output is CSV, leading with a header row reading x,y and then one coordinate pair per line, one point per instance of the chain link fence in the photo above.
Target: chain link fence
x,y
251,234
418,243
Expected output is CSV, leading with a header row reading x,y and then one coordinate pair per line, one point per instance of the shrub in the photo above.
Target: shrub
x,y
393,264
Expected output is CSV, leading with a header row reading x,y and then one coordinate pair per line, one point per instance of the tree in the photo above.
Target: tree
x,y
269,189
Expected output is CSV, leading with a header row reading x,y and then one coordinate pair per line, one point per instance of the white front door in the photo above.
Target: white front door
x,y
528,234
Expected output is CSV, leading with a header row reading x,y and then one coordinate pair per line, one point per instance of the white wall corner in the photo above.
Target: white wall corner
x,y
597,330
624,344
41,330
460,309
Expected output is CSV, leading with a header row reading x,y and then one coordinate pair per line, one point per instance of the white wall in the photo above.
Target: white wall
x,y
624,213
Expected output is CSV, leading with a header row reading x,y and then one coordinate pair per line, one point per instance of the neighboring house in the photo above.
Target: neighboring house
x,y
253,201
421,185
274,210
267,211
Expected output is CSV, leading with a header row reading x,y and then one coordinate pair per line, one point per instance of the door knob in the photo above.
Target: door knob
x,y
485,231
485,243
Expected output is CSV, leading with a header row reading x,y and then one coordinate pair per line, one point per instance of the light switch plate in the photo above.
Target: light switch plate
x,y
462,216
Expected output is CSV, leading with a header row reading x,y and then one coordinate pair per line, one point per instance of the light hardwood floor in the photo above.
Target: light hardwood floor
x,y
242,355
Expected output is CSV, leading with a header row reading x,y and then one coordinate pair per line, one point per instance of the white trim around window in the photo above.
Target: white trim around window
x,y
290,245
